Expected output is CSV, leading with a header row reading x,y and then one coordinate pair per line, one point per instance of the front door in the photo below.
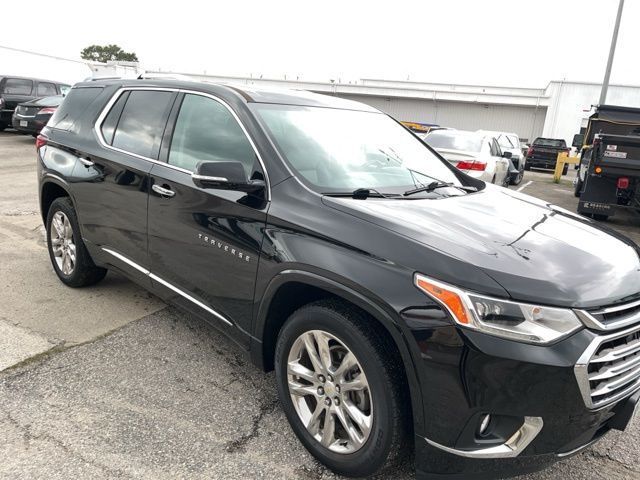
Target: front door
x,y
204,244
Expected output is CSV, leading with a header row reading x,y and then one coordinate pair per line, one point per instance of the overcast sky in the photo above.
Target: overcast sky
x,y
496,42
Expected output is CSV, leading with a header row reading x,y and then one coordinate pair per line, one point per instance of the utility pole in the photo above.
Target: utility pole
x,y
612,51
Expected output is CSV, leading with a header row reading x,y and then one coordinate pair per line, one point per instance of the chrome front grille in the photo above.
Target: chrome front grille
x,y
613,317
610,368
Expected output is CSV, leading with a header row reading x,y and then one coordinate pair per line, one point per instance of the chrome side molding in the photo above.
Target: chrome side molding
x,y
169,285
509,449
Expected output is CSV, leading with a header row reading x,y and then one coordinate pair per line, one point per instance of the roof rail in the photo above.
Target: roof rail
x,y
160,76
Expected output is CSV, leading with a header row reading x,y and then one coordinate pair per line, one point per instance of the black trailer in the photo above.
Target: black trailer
x,y
609,176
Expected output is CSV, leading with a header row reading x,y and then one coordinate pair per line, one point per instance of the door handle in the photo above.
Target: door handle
x,y
86,162
163,192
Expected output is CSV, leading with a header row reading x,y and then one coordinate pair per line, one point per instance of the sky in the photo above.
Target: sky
x,y
489,42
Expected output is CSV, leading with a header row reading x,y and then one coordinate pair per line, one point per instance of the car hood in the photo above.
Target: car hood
x,y
536,251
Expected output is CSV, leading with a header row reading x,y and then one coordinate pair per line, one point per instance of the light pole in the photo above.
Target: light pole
x,y
607,73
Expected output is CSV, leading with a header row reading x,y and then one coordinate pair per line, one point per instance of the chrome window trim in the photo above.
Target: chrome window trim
x,y
169,285
513,447
582,374
107,108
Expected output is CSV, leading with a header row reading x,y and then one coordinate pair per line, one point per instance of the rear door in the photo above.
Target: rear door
x,y
17,90
46,89
112,187
501,162
204,244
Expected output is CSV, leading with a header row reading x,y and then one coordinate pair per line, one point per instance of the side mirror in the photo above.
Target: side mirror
x,y
224,176
578,140
507,155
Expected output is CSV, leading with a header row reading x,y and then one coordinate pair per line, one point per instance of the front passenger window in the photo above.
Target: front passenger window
x,y
206,131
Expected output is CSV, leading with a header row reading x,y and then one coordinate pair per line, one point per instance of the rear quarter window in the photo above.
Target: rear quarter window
x,y
73,106
18,86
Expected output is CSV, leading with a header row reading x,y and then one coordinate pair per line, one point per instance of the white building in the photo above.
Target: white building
x,y
556,110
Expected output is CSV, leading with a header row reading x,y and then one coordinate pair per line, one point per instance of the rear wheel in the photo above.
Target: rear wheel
x,y
341,389
577,189
565,169
600,218
517,180
2,127
69,256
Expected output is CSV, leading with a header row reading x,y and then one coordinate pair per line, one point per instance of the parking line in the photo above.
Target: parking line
x,y
524,186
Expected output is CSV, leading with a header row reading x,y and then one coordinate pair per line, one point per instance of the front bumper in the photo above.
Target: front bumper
x,y
465,375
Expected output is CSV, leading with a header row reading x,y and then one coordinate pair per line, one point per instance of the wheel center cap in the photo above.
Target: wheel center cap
x,y
330,389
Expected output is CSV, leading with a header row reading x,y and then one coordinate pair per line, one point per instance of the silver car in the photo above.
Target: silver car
x,y
474,153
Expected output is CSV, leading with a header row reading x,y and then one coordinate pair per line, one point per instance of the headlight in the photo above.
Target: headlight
x,y
517,321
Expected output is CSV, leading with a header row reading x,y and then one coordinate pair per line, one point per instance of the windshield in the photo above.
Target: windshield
x,y
455,140
549,142
343,150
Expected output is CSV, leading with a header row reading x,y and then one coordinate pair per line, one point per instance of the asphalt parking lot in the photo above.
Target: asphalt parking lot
x,y
109,382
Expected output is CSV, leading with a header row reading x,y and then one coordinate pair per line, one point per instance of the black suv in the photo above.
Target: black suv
x,y
15,90
403,304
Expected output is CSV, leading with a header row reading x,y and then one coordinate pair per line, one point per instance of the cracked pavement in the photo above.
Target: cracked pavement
x,y
108,382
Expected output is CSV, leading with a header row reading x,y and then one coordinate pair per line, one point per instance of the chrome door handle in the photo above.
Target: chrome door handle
x,y
163,192
86,162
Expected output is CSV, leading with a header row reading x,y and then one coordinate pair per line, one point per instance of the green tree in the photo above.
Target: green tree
x,y
104,53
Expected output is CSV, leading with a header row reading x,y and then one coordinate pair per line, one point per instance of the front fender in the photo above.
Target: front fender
x,y
341,288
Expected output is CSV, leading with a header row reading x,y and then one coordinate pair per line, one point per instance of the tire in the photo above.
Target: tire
x,y
600,218
565,169
577,189
517,180
344,328
527,167
2,127
70,259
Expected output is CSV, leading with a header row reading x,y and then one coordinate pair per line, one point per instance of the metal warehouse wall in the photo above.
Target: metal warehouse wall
x,y
527,122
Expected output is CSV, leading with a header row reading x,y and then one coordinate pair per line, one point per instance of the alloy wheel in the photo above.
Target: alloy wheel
x,y
329,391
62,243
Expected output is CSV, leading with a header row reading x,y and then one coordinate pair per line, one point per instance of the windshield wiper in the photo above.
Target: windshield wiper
x,y
362,194
435,185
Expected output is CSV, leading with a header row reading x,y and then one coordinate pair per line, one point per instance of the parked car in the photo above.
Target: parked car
x,y
510,142
402,303
543,153
476,154
31,117
15,90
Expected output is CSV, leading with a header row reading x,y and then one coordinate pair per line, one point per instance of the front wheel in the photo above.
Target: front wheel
x,y
341,389
69,257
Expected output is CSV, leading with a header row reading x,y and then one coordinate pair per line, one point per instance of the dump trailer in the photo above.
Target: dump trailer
x,y
609,176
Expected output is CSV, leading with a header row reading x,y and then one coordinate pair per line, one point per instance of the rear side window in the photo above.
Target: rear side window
x,y
111,121
206,131
64,89
142,122
73,105
46,89
18,86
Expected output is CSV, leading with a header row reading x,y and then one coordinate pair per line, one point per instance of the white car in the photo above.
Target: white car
x,y
474,153
510,142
